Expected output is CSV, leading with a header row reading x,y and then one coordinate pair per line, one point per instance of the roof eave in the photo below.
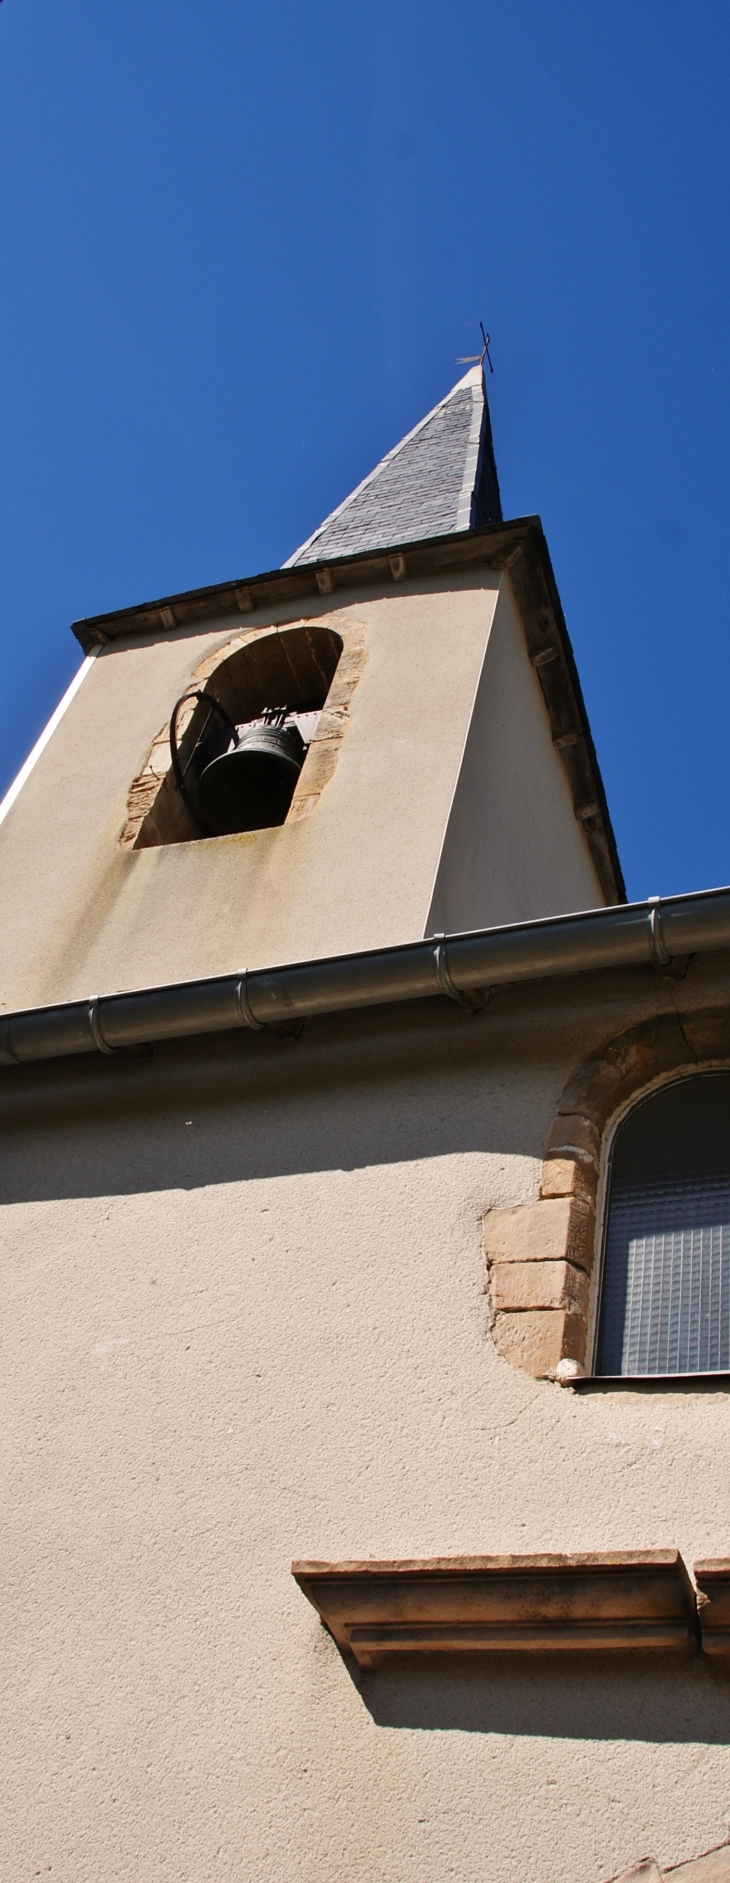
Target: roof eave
x,y
246,593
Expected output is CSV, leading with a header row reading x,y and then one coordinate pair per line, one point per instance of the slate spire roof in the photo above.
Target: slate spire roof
x,y
442,477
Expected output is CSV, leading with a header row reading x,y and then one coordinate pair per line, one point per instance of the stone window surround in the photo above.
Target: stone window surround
x,y
152,784
541,1257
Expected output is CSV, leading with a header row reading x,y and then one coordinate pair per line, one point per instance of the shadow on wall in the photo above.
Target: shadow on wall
x,y
569,1696
241,1107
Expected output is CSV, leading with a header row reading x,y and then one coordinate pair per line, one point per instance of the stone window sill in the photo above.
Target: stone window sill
x,y
648,1382
487,1604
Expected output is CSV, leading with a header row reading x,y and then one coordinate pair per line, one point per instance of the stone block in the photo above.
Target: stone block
x,y
637,1056
319,766
537,1340
339,698
519,1286
160,758
349,667
557,1229
714,1867
630,1059
572,1132
332,722
302,807
708,1033
569,1176
207,667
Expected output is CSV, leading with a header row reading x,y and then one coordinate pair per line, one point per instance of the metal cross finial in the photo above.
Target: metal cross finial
x,y
474,359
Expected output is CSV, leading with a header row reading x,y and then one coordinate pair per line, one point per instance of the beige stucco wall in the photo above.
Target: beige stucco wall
x,y
512,846
243,1319
82,915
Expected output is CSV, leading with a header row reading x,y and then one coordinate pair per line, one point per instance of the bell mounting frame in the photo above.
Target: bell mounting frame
x,y
180,771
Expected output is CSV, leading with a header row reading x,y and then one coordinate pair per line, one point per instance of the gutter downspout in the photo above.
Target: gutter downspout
x,y
628,935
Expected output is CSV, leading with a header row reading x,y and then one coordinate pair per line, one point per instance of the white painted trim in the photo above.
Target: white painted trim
x,y
40,745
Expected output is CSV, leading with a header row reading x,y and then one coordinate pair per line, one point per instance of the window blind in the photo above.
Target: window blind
x,y
665,1296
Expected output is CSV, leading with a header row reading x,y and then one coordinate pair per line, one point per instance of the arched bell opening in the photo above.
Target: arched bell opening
x,y
239,741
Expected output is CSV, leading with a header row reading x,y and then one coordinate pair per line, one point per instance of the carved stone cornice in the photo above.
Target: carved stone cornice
x,y
620,1600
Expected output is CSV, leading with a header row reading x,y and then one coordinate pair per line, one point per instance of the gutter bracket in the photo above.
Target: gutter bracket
x,y
243,1004
471,1002
660,952
95,1029
7,1056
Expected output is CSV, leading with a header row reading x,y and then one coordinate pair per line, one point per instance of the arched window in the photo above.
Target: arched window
x,y
665,1293
271,691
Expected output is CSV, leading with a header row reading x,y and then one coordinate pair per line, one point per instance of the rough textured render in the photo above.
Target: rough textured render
x,y
441,477
512,842
243,1319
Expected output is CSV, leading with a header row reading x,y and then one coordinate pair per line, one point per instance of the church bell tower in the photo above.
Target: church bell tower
x,y
382,740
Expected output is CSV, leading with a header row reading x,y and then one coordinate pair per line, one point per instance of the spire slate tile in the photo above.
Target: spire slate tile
x,y
442,477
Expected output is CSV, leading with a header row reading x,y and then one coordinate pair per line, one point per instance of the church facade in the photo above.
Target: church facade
x,y
365,1230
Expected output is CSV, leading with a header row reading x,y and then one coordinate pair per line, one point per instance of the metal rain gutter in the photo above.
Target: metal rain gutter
x,y
627,935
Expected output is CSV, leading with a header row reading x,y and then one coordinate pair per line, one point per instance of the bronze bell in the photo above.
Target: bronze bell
x,y
241,777
250,785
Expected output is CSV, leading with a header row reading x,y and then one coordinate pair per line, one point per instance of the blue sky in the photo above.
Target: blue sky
x,y
242,246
